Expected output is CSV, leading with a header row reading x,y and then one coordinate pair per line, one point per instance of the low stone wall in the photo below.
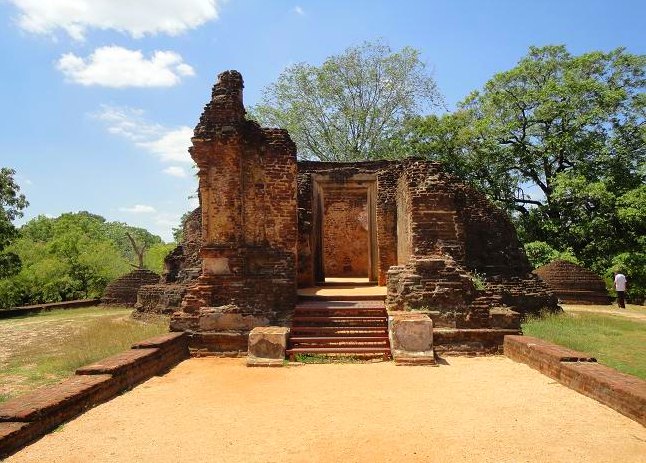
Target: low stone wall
x,y
31,309
581,372
26,418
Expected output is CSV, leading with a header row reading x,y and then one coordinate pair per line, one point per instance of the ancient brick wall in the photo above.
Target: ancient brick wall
x,y
345,239
183,264
247,190
453,236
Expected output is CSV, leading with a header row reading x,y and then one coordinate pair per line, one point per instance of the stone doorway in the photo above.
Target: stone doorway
x,y
345,234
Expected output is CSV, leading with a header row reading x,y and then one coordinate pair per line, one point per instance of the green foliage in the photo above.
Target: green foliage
x,y
348,108
540,253
479,280
559,141
614,341
11,205
73,256
154,259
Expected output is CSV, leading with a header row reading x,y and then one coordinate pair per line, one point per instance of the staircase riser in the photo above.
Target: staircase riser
x,y
356,327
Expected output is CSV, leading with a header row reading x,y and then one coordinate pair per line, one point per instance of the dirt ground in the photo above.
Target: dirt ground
x,y
634,312
470,410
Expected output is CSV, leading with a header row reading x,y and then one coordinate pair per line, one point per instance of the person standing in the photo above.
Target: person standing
x,y
620,287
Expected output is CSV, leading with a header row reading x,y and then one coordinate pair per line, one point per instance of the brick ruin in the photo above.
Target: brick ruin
x,y
181,267
124,290
573,284
270,225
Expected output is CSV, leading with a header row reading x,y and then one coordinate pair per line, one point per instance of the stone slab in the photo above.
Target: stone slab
x,y
267,346
411,338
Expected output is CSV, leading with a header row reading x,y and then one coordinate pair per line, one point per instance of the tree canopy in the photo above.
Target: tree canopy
x,y
348,108
11,205
560,142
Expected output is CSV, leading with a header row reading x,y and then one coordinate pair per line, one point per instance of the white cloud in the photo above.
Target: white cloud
x,y
175,171
299,10
169,145
172,146
137,18
139,209
119,67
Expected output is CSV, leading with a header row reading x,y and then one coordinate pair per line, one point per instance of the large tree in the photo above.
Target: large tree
x,y
11,205
552,114
348,108
560,142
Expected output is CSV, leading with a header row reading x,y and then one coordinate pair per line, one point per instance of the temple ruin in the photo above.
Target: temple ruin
x,y
574,284
270,225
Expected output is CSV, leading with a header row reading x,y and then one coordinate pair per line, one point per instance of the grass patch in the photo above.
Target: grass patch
x,y
329,358
48,347
617,342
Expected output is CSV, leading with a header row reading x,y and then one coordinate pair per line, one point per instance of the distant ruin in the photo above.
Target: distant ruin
x,y
270,225
573,284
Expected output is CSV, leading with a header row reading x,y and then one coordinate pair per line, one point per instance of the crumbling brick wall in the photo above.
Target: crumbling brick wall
x,y
123,290
247,190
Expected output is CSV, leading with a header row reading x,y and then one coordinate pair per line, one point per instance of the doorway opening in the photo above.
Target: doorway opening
x,y
345,235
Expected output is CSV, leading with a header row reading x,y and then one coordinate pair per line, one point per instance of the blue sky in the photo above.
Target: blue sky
x,y
99,96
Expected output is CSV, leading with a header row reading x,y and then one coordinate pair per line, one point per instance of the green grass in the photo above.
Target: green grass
x,y
617,342
326,358
45,348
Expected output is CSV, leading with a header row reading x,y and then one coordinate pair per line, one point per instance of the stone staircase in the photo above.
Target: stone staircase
x,y
344,326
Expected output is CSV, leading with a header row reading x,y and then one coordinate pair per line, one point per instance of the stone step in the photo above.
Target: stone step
x,y
355,330
336,297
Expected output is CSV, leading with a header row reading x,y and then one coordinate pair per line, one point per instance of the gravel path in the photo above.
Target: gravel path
x,y
472,410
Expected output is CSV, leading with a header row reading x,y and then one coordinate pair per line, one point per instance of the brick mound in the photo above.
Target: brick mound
x,y
123,290
573,284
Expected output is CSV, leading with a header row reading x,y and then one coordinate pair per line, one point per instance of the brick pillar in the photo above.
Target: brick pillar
x,y
247,190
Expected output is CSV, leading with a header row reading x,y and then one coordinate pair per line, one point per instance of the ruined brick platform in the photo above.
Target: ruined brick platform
x,y
28,417
574,284
581,372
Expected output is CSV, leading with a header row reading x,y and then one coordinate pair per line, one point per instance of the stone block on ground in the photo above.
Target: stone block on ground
x,y
411,338
267,346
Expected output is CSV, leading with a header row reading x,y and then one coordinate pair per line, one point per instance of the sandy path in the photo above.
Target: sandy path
x,y
634,312
474,409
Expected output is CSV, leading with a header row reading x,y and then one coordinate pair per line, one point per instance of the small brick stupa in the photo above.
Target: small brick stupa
x,y
123,290
573,284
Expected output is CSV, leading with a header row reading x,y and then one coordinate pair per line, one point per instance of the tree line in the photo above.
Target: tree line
x,y
72,256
